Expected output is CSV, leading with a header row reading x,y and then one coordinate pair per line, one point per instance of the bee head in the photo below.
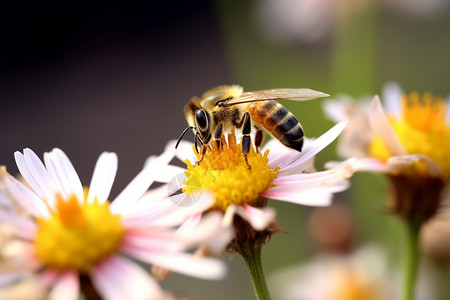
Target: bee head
x,y
198,119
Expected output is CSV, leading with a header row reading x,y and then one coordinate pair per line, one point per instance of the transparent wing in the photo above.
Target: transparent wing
x,y
276,94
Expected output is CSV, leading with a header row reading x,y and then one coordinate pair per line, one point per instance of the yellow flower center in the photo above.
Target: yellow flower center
x,y
224,171
422,129
76,237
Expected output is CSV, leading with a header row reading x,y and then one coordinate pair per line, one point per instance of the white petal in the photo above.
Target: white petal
x,y
167,213
380,126
118,278
258,218
167,173
103,177
392,95
201,267
448,108
209,231
318,144
67,287
336,110
184,150
63,172
34,172
280,155
26,198
140,184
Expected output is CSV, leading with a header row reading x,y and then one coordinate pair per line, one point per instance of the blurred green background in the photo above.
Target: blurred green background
x,y
90,77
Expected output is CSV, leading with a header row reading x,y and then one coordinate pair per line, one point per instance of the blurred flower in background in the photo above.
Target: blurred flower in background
x,y
410,142
310,21
342,269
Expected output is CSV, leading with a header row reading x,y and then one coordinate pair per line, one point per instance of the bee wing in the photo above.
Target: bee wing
x,y
276,94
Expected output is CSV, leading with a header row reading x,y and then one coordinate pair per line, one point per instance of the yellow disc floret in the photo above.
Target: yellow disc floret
x,y
224,171
422,129
77,236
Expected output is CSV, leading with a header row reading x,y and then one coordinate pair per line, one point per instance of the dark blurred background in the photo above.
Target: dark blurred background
x,y
89,77
92,77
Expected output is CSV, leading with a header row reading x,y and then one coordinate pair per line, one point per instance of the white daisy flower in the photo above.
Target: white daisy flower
x,y
276,172
76,236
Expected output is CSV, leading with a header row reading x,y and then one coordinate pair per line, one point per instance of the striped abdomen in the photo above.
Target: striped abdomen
x,y
279,122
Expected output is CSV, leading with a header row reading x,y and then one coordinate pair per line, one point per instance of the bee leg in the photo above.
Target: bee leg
x,y
246,139
259,138
203,149
218,135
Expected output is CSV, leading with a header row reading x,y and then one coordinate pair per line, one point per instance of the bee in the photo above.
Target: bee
x,y
228,106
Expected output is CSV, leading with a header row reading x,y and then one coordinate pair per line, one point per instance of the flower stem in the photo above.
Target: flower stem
x,y
252,258
411,260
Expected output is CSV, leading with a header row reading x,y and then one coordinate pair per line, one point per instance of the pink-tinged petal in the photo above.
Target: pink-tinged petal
x,y
209,231
152,240
311,197
62,171
103,177
190,223
317,145
118,278
67,287
201,267
381,127
160,192
167,213
258,218
340,171
26,198
140,184
392,95
49,277
23,228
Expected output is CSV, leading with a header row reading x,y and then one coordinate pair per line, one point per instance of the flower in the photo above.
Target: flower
x,y
76,238
410,143
312,21
241,185
360,275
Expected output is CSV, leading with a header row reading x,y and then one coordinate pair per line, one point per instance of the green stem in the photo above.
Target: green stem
x,y
411,260
252,258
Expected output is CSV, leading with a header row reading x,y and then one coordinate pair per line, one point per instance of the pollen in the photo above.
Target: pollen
x,y
77,235
225,172
421,129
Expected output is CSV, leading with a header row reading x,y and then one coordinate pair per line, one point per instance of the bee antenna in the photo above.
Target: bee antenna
x,y
182,134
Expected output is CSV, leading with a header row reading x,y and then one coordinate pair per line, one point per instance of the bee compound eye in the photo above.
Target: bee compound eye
x,y
201,118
